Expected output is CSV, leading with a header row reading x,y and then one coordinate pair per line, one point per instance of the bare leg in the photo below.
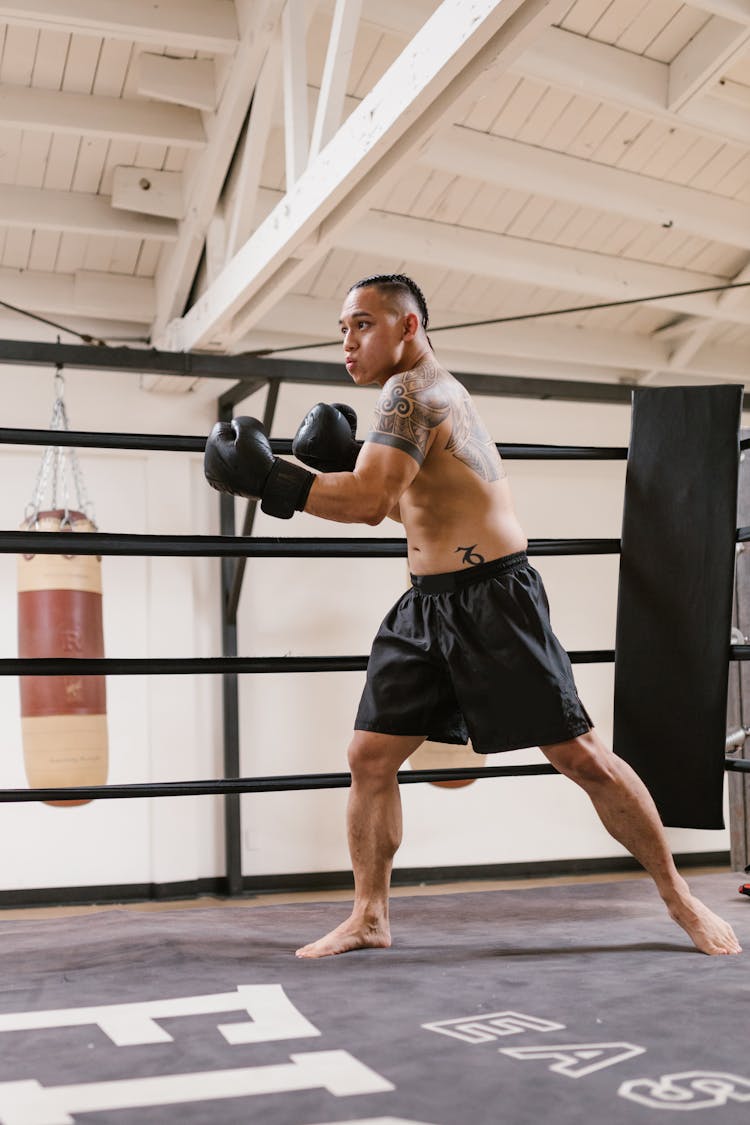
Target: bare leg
x,y
374,832
628,813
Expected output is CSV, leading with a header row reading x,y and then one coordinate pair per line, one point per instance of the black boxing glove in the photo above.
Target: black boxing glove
x,y
326,438
238,459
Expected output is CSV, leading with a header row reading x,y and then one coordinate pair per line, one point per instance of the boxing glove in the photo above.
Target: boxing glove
x,y
326,438
238,459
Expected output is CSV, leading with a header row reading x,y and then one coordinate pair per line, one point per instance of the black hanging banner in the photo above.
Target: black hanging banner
x,y
674,611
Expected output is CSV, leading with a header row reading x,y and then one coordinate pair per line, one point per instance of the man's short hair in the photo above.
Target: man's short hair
x,y
396,284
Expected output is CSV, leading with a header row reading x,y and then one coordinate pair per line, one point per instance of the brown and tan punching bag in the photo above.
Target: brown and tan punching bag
x,y
63,718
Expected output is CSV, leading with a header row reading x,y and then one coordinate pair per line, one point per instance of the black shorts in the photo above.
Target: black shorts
x,y
471,655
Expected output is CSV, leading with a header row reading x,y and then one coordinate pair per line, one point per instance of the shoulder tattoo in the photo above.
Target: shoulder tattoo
x,y
408,411
471,444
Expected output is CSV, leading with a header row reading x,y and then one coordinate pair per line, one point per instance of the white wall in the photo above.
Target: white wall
x,y
160,728
169,728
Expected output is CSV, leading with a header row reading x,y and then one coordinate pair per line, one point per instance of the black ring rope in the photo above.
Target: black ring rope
x,y
189,443
256,665
280,784
238,546
191,665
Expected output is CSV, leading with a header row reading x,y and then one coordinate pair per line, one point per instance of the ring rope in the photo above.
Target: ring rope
x,y
187,443
238,546
189,665
220,787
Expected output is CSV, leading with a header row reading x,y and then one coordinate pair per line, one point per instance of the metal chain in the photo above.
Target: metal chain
x,y
59,465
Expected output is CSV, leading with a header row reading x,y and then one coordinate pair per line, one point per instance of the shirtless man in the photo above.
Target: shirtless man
x,y
468,650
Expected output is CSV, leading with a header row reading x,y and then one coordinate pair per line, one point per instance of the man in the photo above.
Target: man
x,y
468,650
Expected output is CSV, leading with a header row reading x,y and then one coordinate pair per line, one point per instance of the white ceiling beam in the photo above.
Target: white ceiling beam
x,y
581,272
190,82
459,46
114,297
100,116
702,61
294,70
258,21
540,171
195,25
149,192
621,78
242,194
77,212
737,10
335,73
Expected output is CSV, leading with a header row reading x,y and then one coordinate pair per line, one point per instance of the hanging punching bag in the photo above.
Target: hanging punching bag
x,y
63,718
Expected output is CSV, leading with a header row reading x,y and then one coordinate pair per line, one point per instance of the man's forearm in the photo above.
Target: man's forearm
x,y
348,498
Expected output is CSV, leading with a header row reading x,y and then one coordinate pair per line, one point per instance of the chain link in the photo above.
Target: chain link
x,y
59,467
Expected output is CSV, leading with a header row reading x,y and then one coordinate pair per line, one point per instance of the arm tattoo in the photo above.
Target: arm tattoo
x,y
470,443
408,411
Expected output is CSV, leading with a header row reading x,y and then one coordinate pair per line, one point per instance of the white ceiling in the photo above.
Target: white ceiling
x,y
214,174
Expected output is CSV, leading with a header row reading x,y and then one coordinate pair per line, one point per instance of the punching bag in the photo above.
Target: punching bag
x,y
63,718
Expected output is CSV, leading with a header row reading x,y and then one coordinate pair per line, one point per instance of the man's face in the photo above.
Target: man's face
x,y
374,333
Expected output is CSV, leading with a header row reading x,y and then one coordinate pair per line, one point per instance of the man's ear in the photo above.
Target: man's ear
x,y
411,325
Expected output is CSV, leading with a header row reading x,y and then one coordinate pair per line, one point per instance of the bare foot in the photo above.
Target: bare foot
x,y
709,933
352,934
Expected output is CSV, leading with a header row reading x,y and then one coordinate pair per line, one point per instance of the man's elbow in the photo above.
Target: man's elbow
x,y
375,514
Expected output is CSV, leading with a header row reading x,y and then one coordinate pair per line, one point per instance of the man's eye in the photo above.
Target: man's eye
x,y
363,324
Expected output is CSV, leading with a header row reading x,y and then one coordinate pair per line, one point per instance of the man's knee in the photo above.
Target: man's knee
x,y
378,756
585,760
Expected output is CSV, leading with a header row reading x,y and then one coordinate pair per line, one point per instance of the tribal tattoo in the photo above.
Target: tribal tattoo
x,y
405,414
471,555
414,404
470,443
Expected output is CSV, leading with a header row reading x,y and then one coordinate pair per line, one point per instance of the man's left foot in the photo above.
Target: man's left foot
x,y
708,932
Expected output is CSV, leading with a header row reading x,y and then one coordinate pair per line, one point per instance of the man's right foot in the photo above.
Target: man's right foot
x,y
348,936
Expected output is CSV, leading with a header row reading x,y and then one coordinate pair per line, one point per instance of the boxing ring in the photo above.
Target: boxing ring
x,y
492,1006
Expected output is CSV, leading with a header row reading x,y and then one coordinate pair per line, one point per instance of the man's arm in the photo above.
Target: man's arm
x,y
367,494
406,419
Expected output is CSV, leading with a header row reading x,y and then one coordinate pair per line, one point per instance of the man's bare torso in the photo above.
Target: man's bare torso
x,y
458,510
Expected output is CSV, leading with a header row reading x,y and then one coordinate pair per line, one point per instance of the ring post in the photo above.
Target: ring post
x,y
674,608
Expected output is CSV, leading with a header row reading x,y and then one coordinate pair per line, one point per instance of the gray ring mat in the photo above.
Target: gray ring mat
x,y
574,1004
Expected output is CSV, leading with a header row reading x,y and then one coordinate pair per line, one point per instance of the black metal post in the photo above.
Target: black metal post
x,y
232,571
230,701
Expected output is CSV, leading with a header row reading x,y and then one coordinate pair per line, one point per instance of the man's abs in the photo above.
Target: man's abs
x,y
454,533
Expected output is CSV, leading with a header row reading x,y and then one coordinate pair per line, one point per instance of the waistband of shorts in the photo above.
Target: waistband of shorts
x,y
458,579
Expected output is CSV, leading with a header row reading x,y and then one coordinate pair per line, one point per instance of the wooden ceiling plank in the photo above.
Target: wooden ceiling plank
x,y
195,24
